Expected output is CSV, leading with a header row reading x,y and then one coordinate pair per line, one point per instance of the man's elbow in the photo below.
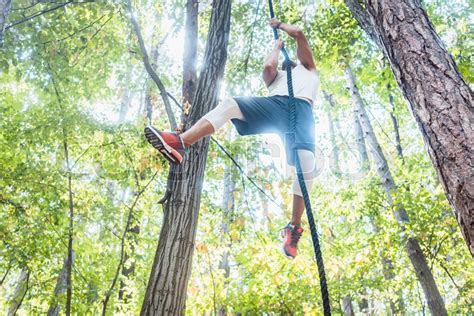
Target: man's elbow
x,y
269,75
298,33
269,67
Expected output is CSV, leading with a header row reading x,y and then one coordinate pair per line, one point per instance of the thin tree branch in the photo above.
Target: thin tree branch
x,y
122,244
76,60
39,13
5,275
214,299
70,199
76,32
449,274
27,7
149,68
247,58
87,149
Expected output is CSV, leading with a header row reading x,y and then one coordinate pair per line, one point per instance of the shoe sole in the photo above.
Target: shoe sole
x,y
286,255
154,138
282,238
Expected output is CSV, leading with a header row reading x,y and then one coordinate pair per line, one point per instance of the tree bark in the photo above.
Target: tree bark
x,y
360,141
149,105
363,18
396,129
128,271
422,270
5,7
166,290
335,166
347,308
441,101
20,292
61,286
228,207
190,55
425,277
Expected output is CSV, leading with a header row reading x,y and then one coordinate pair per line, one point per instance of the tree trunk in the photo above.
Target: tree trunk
x,y
347,308
396,130
360,141
423,272
5,7
20,292
70,250
441,101
128,269
228,207
124,105
148,104
60,289
166,290
424,275
332,135
190,55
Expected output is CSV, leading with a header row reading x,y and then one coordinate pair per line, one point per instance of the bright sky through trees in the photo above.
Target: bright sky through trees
x,y
75,166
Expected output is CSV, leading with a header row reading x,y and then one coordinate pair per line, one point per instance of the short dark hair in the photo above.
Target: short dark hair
x,y
283,65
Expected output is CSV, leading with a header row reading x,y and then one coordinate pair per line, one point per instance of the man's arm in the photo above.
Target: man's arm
x,y
302,47
270,66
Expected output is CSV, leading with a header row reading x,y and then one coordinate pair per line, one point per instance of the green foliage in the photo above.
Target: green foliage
x,y
66,75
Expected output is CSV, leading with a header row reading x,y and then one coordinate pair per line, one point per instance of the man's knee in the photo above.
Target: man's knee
x,y
229,103
308,168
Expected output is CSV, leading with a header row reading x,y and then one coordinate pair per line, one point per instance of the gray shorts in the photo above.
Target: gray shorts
x,y
272,115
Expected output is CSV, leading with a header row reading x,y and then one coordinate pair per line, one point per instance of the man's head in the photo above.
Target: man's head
x,y
283,65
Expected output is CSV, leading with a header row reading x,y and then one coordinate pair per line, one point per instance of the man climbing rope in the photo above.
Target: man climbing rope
x,y
258,115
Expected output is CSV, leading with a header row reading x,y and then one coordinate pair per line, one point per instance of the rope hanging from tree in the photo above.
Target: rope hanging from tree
x,y
307,202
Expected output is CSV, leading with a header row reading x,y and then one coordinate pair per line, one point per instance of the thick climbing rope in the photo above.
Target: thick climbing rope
x,y
299,172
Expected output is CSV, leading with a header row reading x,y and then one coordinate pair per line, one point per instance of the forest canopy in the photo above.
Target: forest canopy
x,y
80,188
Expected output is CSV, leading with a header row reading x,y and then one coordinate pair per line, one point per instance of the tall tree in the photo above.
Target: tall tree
x,y
412,246
61,287
440,99
166,290
228,207
393,117
70,194
360,141
20,292
190,55
347,308
5,7
332,134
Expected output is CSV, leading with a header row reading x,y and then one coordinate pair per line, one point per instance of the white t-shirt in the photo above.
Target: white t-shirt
x,y
305,83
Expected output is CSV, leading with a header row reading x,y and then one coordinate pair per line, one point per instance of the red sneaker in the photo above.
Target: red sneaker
x,y
291,235
169,144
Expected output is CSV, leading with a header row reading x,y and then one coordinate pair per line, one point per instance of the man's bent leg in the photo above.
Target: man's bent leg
x,y
292,232
228,109
298,209
308,167
201,129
